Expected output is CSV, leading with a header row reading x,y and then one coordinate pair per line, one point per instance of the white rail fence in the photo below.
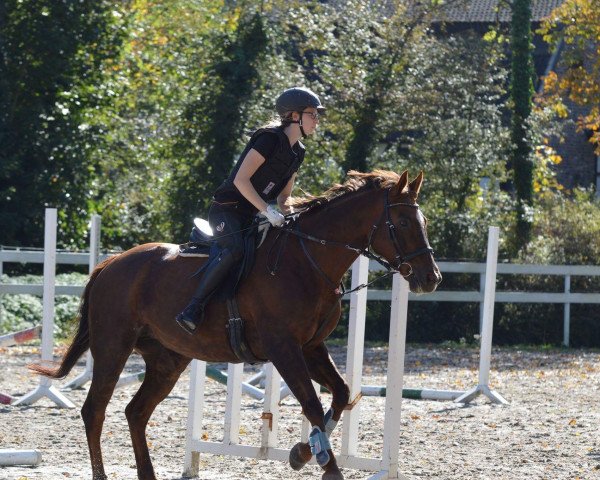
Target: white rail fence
x,y
566,298
476,296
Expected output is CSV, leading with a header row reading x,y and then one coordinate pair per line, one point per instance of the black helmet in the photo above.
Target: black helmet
x,y
296,99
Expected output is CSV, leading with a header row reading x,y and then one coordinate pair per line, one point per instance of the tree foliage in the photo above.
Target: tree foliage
x,y
521,90
169,103
576,24
50,58
218,119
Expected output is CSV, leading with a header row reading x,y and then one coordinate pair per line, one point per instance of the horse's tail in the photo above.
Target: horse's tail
x,y
81,342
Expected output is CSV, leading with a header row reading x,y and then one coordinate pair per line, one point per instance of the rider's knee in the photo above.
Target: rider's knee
x,y
235,252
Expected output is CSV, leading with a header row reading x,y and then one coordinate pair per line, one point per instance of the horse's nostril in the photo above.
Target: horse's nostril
x,y
434,277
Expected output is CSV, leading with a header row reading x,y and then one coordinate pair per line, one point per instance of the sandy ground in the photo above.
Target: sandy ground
x,y
550,430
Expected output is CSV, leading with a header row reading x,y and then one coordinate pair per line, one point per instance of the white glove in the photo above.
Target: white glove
x,y
274,216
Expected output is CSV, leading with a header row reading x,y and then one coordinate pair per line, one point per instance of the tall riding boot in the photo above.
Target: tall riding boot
x,y
215,273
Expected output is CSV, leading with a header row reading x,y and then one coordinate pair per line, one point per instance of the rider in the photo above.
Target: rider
x,y
265,171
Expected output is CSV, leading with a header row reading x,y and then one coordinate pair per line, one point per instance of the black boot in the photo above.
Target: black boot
x,y
191,316
215,273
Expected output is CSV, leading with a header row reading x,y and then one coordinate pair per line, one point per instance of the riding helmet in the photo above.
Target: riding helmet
x,y
297,99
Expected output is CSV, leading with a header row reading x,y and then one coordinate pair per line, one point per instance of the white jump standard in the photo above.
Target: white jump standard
x,y
45,388
487,327
86,375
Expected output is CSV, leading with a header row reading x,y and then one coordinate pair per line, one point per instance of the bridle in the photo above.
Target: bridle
x,y
400,260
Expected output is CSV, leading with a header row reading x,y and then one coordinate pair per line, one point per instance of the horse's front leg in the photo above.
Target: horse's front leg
x,y
324,372
288,359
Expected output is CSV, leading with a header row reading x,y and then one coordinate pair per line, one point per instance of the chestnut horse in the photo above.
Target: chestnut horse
x,y
131,300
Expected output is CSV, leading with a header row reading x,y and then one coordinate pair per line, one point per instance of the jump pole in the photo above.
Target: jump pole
x,y
45,388
6,399
14,339
11,457
488,325
86,375
20,337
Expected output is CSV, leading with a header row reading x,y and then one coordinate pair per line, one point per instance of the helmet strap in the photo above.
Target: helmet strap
x,y
301,127
299,122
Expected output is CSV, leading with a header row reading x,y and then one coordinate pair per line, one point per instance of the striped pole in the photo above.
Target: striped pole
x,y
221,377
15,339
20,337
412,393
211,372
129,379
6,399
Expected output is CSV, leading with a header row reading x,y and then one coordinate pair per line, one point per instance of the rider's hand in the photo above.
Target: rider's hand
x,y
273,216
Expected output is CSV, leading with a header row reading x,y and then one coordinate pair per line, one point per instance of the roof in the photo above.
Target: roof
x,y
490,11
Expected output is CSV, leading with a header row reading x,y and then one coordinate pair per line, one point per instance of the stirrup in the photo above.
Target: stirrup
x,y
188,326
191,316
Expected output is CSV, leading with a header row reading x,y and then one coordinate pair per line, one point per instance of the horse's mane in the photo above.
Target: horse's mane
x,y
355,182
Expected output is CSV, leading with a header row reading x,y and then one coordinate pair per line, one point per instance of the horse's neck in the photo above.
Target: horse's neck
x,y
347,221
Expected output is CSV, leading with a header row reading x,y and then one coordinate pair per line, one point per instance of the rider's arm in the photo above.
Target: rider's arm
x,y
249,165
284,196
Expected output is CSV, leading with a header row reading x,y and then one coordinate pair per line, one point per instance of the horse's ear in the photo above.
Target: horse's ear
x,y
415,185
401,185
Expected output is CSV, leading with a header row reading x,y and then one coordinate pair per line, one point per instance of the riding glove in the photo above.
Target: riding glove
x,y
273,216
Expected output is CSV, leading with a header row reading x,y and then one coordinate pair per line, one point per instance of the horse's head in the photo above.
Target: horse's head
x,y
400,236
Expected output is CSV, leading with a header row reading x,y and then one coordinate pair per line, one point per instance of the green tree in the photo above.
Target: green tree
x,y
50,53
447,121
217,121
361,56
160,70
521,91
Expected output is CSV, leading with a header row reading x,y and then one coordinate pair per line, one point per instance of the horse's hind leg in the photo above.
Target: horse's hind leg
x,y
108,365
163,368
324,372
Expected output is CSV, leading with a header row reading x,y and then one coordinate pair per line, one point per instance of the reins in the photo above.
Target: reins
x,y
401,259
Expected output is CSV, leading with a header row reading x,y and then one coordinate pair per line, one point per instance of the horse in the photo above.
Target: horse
x,y
131,300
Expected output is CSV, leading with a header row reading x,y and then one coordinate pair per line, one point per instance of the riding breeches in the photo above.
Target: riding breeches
x,y
229,226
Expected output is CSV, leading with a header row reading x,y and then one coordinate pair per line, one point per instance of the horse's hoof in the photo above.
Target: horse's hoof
x,y
299,455
334,474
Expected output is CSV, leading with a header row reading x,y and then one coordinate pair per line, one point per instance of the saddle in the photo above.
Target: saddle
x,y
201,239
202,244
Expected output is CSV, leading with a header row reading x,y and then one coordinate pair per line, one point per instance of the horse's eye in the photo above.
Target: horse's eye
x,y
403,222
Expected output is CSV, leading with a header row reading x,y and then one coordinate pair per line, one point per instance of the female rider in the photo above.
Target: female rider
x,y
265,171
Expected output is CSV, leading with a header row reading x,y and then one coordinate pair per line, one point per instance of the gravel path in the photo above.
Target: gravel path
x,y
549,430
